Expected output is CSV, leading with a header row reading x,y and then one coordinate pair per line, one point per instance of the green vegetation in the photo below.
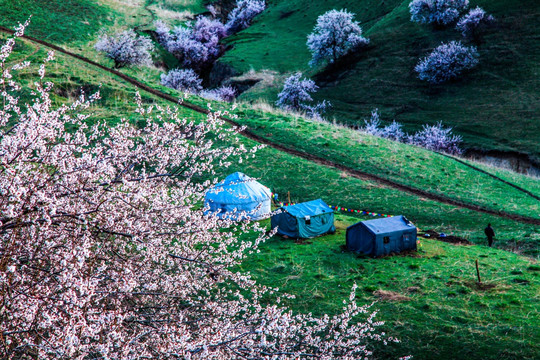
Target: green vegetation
x,y
285,173
306,181
530,183
490,108
448,315
445,314
58,21
405,164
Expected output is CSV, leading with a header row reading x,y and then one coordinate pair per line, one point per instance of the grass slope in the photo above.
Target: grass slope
x,y
500,322
413,166
399,163
59,21
494,107
405,164
447,316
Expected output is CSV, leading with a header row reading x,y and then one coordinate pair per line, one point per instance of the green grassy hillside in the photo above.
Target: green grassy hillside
x,y
494,107
59,21
403,164
446,315
443,314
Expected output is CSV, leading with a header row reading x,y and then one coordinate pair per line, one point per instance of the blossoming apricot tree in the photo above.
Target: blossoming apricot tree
x,y
336,34
105,251
126,48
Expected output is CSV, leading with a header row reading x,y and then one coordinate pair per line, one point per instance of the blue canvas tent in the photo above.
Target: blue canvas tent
x,y
239,197
305,220
382,236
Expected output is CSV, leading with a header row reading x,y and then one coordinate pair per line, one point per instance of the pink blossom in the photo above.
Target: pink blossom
x,y
106,250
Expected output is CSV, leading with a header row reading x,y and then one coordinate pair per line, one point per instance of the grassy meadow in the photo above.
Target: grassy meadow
x,y
285,173
429,299
495,107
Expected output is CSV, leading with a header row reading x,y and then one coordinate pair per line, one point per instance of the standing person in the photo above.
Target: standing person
x,y
490,234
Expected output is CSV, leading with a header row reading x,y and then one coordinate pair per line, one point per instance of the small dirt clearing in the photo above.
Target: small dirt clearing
x,y
387,295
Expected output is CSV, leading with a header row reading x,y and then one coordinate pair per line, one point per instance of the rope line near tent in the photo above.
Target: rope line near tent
x,y
335,207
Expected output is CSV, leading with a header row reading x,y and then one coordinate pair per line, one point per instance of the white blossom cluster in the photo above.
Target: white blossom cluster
x,y
185,80
336,34
447,62
126,48
394,131
106,252
222,93
242,15
436,138
296,96
471,22
188,81
441,12
431,137
197,45
450,60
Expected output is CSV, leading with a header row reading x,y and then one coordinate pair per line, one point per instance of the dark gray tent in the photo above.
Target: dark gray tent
x,y
305,220
382,236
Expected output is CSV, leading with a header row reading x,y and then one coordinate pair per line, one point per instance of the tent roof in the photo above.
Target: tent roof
x,y
238,188
387,225
310,208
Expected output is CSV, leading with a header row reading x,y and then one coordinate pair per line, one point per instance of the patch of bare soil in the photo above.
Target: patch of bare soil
x,y
387,295
413,289
475,285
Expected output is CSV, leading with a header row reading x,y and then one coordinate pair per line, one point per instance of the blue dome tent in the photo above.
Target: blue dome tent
x,y
305,220
239,197
382,236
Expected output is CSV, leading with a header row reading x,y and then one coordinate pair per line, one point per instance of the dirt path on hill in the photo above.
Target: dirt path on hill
x,y
311,157
152,16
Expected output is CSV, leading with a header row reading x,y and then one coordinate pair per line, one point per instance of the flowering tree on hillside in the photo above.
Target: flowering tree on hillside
x,y
334,35
432,137
296,96
471,23
372,126
223,93
105,251
243,14
207,30
185,80
447,62
440,12
437,138
195,46
126,48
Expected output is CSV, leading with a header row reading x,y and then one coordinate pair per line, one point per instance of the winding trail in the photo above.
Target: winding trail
x,y
152,16
292,151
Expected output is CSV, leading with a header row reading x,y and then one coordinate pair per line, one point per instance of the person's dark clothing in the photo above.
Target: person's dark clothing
x,y
490,234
